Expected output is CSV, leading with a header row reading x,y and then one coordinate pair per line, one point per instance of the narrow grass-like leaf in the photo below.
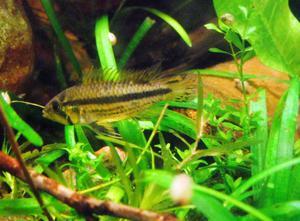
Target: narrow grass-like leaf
x,y
218,51
135,40
107,61
82,138
70,135
59,71
17,123
294,192
50,157
284,211
19,207
266,196
130,132
60,35
211,208
286,140
251,210
165,179
104,48
258,151
170,21
166,153
263,175
120,170
178,122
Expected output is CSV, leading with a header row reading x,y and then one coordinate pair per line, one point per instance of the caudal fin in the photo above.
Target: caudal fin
x,y
183,86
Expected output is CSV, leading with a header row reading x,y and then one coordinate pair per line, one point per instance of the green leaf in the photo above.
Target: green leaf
x,y
270,27
70,135
178,122
129,129
115,194
47,5
211,207
258,151
135,40
82,138
212,26
234,38
19,207
130,132
104,48
218,50
263,175
284,211
285,147
47,158
17,123
171,21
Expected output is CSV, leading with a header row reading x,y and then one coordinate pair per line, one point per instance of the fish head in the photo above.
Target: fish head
x,y
54,111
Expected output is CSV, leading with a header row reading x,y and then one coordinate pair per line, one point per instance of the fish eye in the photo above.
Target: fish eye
x,y
55,106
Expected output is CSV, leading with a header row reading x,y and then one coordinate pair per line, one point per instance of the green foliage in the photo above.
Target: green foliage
x,y
267,25
242,169
17,123
60,35
170,21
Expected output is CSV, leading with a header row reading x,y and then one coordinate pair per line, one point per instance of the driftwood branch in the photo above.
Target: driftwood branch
x,y
22,166
83,204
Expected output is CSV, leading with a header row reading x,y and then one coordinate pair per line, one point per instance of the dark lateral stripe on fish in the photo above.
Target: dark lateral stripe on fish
x,y
121,98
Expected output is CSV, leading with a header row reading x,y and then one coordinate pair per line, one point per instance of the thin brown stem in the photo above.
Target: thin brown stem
x,y
84,205
15,148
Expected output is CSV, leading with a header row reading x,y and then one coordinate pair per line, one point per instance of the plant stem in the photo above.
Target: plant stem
x,y
239,65
15,148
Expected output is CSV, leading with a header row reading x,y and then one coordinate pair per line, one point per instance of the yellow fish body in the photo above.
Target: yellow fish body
x,y
96,101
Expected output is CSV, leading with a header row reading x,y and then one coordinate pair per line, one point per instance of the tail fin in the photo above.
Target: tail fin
x,y
183,86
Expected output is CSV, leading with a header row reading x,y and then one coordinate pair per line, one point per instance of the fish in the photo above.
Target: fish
x,y
103,102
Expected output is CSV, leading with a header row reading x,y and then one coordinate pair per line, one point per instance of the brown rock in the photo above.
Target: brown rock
x,y
226,89
16,51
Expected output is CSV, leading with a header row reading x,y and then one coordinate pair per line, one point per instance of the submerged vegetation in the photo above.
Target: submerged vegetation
x,y
225,162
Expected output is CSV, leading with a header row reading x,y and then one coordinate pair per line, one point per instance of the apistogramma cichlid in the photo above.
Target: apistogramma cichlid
x,y
96,101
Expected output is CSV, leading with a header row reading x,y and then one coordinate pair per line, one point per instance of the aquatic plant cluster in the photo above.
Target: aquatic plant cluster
x,y
152,143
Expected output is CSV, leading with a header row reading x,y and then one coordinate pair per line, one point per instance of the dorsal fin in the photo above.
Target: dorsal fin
x,y
93,75
139,77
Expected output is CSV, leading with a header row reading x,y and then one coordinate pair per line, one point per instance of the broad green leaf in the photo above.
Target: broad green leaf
x,y
263,175
258,151
270,27
17,123
19,207
211,207
131,133
284,211
294,193
286,140
129,129
115,194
